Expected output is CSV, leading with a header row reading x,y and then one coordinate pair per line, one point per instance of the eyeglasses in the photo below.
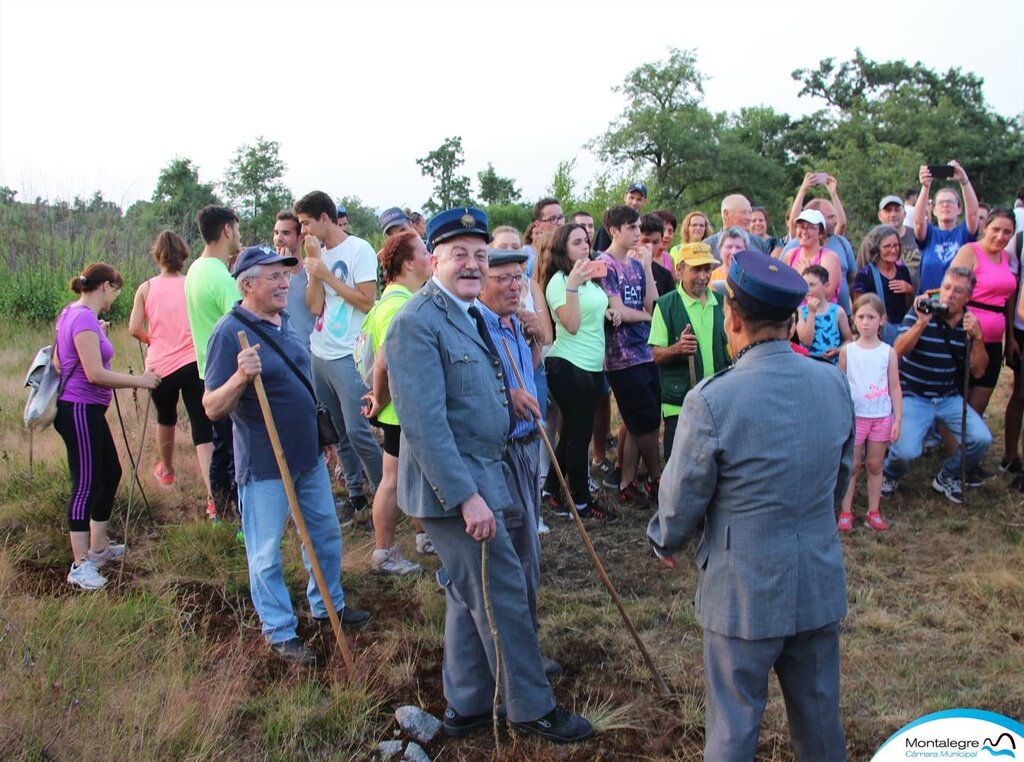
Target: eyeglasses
x,y
946,202
890,247
278,277
507,279
554,219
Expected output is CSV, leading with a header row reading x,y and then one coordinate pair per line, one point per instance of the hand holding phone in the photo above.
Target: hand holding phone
x,y
941,171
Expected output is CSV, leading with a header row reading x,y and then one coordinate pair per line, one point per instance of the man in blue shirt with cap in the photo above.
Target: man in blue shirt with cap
x,y
263,282
771,584
450,391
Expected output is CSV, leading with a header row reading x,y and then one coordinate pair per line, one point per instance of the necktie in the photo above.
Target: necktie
x,y
485,334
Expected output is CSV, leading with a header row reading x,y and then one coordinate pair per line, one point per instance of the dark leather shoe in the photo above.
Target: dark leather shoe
x,y
460,725
293,651
559,725
353,619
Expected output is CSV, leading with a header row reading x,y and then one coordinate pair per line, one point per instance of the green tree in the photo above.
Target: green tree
x,y
882,120
362,220
495,189
563,185
442,166
7,195
178,196
254,188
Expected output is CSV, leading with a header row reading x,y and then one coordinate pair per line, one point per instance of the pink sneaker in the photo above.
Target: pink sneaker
x,y
875,521
164,477
845,522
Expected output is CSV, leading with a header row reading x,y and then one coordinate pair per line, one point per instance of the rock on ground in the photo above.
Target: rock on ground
x,y
421,725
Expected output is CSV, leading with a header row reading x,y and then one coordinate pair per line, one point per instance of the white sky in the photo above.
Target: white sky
x,y
102,95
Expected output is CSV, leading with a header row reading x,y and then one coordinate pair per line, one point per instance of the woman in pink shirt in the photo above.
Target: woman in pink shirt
x,y
159,319
82,356
992,298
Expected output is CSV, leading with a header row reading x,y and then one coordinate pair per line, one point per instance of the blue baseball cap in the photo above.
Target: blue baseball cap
x,y
391,217
765,287
463,220
342,212
637,188
260,255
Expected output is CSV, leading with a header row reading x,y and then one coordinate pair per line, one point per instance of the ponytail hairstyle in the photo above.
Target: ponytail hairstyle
x,y
94,276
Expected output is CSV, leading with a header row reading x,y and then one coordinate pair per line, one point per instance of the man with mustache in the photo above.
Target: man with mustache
x,y
453,399
687,322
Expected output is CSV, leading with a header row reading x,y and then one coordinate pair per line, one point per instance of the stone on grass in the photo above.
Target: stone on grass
x,y
415,753
421,725
389,749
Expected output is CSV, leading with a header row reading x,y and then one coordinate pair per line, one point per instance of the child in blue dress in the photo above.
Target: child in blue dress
x,y
821,326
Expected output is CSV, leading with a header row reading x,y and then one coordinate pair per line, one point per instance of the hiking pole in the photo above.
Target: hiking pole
x,y
128,448
485,552
300,522
963,421
586,538
131,486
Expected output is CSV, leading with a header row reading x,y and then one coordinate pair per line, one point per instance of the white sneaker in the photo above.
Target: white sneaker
x,y
86,577
424,546
542,528
390,561
110,553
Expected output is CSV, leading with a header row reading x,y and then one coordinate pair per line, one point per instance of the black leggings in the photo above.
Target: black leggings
x,y
165,397
576,391
92,462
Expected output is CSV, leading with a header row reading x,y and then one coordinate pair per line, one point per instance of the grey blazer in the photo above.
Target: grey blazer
x,y
763,452
448,391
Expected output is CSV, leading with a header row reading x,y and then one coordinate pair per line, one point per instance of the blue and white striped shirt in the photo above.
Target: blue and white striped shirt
x,y
930,370
523,357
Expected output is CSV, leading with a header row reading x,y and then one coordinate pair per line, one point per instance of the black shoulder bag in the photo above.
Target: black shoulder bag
x,y
327,432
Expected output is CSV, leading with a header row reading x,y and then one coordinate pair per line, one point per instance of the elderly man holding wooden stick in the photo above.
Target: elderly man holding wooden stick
x,y
447,382
280,358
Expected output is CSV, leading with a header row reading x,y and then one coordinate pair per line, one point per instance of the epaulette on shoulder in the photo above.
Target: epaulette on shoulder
x,y
718,374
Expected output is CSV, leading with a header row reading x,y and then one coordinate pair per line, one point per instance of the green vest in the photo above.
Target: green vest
x,y
675,375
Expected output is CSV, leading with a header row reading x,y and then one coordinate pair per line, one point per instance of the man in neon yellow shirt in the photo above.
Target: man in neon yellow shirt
x,y
687,323
210,292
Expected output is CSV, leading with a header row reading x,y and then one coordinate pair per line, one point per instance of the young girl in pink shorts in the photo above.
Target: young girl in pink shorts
x,y
871,367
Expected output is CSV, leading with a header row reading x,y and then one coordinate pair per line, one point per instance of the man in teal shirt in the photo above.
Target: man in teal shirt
x,y
688,324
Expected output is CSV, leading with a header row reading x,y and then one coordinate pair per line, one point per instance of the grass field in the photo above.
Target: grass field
x,y
167,662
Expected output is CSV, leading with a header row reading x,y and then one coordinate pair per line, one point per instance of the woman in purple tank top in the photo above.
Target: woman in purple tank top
x,y
83,354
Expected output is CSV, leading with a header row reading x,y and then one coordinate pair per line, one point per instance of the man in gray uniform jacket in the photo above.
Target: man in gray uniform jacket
x,y
448,386
766,479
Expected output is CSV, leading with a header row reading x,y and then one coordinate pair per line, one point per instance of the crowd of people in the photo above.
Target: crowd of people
x,y
443,358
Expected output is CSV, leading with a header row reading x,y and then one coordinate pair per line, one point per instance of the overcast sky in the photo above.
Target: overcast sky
x,y
102,95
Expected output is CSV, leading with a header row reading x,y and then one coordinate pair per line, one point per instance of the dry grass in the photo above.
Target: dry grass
x,y
168,662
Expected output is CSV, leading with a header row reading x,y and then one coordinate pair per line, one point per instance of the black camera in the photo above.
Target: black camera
x,y
932,306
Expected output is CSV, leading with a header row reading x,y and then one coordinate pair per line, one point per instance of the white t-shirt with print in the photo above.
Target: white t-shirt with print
x,y
353,261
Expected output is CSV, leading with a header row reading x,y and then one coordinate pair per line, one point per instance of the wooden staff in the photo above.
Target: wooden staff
x,y
300,522
586,539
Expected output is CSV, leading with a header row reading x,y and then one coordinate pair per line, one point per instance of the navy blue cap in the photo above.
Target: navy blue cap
x,y
765,287
505,256
342,212
391,217
638,188
260,255
463,220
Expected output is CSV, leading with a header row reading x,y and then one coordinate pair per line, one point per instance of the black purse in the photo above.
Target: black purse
x,y
327,432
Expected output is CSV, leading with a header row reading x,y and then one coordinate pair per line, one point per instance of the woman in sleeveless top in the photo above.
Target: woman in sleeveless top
x,y
991,301
810,232
160,321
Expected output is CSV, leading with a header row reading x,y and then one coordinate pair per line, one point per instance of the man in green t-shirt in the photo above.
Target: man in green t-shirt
x,y
687,327
210,292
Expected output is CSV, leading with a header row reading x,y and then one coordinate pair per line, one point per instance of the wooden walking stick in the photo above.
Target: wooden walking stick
x,y
963,421
586,540
485,553
300,522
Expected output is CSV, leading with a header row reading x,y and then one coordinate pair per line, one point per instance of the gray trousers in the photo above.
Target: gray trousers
x,y
340,389
736,681
469,660
521,519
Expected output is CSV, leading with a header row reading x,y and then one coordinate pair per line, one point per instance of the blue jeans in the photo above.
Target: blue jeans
x,y
919,416
264,518
339,388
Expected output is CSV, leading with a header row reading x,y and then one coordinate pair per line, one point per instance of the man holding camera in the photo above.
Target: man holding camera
x,y
933,347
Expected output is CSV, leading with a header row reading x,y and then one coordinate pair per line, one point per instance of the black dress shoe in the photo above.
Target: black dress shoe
x,y
460,725
293,651
559,725
353,619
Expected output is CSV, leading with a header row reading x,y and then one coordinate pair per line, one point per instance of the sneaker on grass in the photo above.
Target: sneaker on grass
x,y
110,553
424,546
633,495
889,486
845,523
979,475
542,528
595,510
949,486
559,725
875,521
85,576
390,561
293,651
